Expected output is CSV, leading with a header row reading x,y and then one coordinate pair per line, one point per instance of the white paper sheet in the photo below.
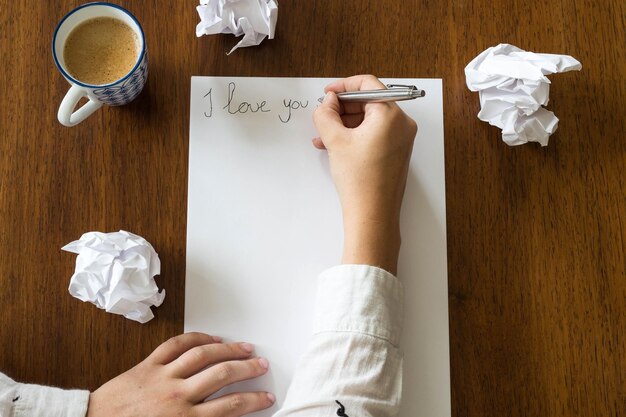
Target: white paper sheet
x,y
254,19
264,220
513,87
115,271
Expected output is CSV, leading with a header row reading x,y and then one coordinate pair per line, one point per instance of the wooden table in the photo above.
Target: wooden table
x,y
537,271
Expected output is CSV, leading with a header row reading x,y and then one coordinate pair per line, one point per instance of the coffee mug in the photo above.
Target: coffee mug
x,y
115,93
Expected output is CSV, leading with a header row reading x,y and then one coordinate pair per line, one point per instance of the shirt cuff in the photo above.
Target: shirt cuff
x,y
40,401
361,299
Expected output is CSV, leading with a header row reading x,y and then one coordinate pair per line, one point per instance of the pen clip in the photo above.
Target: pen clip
x,y
390,86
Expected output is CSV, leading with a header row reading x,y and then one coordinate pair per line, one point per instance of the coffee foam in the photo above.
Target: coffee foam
x,y
101,51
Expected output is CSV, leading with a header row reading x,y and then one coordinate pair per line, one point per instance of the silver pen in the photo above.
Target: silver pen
x,y
393,92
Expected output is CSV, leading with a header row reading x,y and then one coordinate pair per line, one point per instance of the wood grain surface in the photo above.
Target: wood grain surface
x,y
536,253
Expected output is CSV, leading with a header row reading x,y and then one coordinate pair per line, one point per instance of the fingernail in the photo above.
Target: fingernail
x,y
216,339
264,363
248,347
326,98
271,397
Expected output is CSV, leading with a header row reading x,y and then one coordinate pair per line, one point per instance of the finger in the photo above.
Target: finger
x,y
352,120
376,112
237,404
355,83
209,381
199,357
171,349
317,142
327,119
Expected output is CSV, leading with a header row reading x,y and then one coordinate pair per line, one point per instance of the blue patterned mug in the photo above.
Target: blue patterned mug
x,y
116,93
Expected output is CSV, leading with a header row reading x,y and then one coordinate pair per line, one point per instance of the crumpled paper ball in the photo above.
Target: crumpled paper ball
x,y
513,88
254,19
115,271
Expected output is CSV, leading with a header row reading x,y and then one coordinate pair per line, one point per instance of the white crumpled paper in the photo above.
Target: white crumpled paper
x,y
513,87
254,19
115,271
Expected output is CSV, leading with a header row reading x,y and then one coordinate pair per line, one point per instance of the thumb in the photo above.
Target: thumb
x,y
327,118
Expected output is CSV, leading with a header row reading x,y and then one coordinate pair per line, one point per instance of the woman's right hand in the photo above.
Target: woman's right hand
x,y
369,147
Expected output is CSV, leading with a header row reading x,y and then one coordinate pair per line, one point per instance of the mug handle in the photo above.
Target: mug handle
x,y
67,116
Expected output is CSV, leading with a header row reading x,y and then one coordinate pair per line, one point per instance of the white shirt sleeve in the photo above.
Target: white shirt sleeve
x,y
27,400
353,356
